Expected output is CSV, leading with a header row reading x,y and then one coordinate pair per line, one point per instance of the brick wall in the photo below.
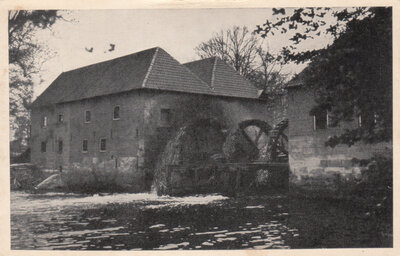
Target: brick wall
x,y
121,135
134,141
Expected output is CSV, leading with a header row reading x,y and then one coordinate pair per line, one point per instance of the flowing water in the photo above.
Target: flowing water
x,y
146,221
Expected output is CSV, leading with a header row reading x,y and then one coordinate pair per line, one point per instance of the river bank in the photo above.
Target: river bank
x,y
147,221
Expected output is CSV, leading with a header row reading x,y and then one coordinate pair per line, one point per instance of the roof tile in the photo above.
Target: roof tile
x,y
223,79
153,68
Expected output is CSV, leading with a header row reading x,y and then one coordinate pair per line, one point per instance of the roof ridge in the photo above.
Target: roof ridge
x,y
150,67
190,62
201,80
104,61
236,72
190,71
213,72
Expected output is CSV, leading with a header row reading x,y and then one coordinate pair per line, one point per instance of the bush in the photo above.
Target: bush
x,y
376,176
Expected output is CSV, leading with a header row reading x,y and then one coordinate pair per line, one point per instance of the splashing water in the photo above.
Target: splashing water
x,y
58,201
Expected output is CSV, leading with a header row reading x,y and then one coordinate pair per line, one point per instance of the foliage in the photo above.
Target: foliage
x,y
25,157
376,187
353,76
244,52
377,173
309,23
24,62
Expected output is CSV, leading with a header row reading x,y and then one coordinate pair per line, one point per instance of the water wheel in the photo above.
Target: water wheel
x,y
256,131
276,150
244,143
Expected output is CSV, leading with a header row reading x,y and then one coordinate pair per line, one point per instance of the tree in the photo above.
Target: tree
x,y
24,62
352,77
267,72
244,52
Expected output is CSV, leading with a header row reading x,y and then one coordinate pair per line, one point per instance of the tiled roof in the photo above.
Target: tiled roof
x,y
222,78
203,69
153,68
116,75
168,74
297,80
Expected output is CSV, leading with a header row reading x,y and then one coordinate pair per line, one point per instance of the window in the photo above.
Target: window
x,y
329,120
60,118
376,118
88,117
85,146
165,116
44,122
116,113
43,147
368,120
60,147
320,120
103,146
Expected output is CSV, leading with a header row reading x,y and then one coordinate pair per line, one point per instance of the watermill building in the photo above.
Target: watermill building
x,y
120,114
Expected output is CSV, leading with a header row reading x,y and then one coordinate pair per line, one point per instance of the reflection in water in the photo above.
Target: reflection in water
x,y
143,221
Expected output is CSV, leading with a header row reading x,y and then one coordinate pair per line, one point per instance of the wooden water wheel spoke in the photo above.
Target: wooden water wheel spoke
x,y
276,147
260,133
256,132
282,149
285,137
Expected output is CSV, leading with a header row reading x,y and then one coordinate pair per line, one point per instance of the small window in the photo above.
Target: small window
x,y
85,146
60,147
376,118
368,120
43,146
165,116
103,146
60,118
320,120
116,113
329,120
88,116
44,122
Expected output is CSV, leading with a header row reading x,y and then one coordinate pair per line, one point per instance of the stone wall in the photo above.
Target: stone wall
x,y
311,162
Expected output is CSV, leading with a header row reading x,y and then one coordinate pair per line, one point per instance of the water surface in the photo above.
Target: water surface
x,y
146,221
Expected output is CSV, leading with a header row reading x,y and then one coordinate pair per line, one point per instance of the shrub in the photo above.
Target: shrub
x,y
376,176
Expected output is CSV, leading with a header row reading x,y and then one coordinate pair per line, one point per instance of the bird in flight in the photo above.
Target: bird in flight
x,y
112,47
89,50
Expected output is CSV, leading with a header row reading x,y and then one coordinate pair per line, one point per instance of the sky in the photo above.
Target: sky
x,y
176,31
